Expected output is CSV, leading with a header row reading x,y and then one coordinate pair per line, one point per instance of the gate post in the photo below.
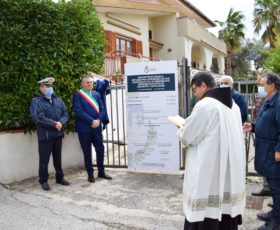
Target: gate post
x,y
186,80
186,101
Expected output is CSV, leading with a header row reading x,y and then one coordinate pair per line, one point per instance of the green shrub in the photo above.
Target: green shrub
x,y
45,39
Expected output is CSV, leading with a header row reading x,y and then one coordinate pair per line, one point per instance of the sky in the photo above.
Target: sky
x,y
219,9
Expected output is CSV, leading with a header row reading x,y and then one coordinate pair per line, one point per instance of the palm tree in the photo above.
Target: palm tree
x,y
267,15
232,34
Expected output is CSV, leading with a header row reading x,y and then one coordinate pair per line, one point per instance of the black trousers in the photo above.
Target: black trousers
x,y
227,223
45,150
274,185
86,140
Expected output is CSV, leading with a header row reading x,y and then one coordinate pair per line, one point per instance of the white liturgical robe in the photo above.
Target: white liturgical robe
x,y
214,182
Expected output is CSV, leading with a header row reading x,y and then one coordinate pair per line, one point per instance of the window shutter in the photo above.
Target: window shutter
x,y
138,47
110,37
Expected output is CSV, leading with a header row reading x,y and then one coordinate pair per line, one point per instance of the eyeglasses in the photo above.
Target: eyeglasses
x,y
223,83
194,88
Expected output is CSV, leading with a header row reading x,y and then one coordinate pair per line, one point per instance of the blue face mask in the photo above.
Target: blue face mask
x,y
49,92
261,91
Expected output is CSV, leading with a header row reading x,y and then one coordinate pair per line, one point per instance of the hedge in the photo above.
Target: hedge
x,y
45,39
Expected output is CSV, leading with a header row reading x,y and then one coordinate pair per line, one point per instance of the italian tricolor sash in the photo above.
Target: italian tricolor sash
x,y
90,99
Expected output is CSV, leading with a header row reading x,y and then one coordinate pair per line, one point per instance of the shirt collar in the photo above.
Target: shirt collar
x,y
269,98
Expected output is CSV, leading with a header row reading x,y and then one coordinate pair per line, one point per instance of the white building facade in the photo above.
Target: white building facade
x,y
161,30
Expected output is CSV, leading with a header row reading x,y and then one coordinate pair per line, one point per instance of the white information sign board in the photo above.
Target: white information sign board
x,y
152,96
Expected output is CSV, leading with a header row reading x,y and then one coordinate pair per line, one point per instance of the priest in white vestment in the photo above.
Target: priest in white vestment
x,y
214,182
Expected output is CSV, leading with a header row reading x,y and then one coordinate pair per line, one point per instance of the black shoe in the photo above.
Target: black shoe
x,y
63,182
266,216
271,225
270,205
91,179
45,186
105,176
262,193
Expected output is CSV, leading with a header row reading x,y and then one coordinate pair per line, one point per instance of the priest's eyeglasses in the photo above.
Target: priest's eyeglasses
x,y
194,88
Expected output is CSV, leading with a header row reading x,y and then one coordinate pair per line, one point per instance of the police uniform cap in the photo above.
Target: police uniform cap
x,y
47,81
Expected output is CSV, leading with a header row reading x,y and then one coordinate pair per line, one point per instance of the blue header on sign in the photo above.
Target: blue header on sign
x,y
155,82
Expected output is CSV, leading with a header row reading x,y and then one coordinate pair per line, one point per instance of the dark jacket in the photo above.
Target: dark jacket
x,y
240,100
102,89
85,113
267,130
45,113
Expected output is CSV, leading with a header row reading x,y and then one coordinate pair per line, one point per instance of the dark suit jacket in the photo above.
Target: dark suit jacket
x,y
85,113
240,100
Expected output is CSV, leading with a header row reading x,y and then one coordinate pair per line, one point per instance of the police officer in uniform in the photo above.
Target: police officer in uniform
x,y
50,116
90,116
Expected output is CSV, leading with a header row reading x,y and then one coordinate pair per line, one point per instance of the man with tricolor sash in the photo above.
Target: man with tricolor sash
x,y
90,115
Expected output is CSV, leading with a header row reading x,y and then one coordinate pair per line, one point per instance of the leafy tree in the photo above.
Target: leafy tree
x,y
41,38
240,64
273,60
252,52
232,34
255,51
267,16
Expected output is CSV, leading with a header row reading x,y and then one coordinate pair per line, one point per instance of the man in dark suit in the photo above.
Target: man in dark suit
x,y
238,98
90,116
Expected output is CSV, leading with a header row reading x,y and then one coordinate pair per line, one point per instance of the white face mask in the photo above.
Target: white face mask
x,y
261,91
224,86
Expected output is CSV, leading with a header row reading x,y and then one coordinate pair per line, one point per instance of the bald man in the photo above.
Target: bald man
x,y
239,99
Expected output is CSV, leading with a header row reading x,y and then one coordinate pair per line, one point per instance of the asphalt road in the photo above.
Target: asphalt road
x,y
132,200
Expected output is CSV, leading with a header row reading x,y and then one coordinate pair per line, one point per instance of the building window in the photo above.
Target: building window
x,y
117,42
124,44
150,34
151,53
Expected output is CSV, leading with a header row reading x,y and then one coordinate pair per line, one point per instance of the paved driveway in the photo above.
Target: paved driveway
x,y
132,200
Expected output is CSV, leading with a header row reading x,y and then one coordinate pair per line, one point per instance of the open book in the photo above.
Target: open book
x,y
177,120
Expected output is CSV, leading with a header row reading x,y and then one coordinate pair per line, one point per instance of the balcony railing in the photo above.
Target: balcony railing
x,y
114,64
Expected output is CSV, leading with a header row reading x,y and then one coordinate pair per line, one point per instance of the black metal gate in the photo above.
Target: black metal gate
x,y
115,133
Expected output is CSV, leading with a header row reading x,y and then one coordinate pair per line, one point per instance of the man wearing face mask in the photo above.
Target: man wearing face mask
x,y
239,99
50,116
267,146
259,100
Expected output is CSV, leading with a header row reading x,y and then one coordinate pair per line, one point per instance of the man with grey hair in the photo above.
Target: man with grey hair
x,y
239,99
90,115
267,146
